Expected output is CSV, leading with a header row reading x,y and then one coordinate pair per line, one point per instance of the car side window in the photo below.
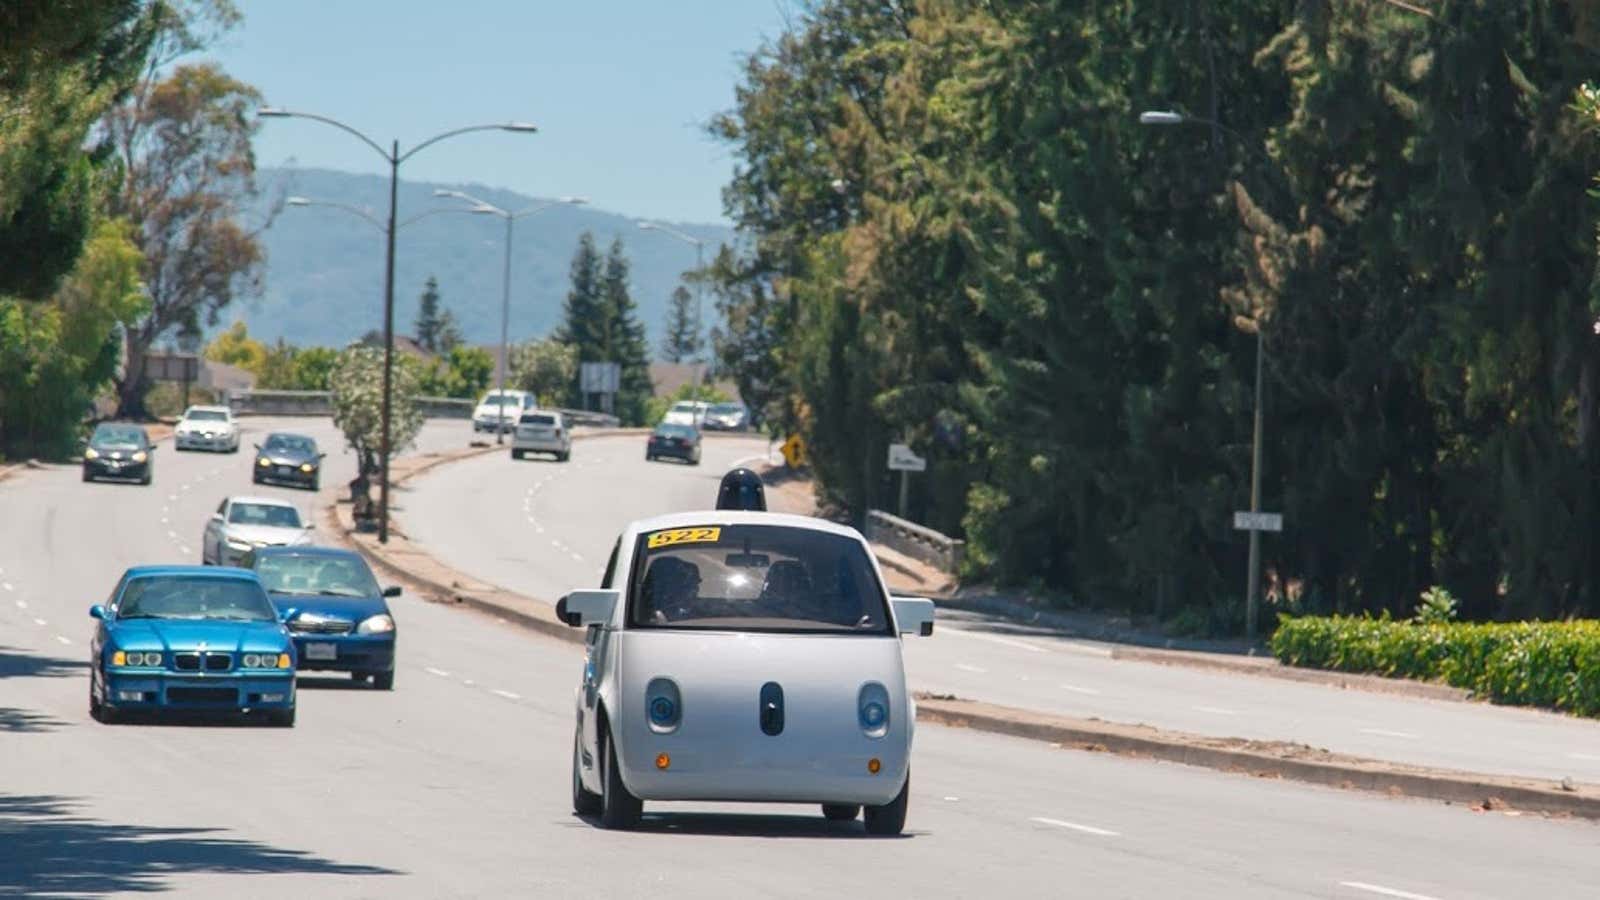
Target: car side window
x,y
611,566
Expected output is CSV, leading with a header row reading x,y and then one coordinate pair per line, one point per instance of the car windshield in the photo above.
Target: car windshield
x,y
264,514
510,399
764,578
289,444
194,597
206,415
113,436
538,419
675,431
336,576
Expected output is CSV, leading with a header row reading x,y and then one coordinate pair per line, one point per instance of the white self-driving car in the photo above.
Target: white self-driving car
x,y
744,657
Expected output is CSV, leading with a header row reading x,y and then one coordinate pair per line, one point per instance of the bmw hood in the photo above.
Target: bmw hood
x,y
179,635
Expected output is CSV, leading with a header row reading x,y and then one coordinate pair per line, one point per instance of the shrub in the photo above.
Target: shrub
x,y
1549,664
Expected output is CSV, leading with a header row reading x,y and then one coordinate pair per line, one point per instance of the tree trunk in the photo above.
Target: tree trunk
x,y
134,385
1587,600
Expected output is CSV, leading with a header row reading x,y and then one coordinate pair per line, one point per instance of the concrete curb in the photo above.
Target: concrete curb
x,y
1295,762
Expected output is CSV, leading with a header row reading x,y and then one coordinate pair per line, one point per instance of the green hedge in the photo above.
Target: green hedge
x,y
1550,664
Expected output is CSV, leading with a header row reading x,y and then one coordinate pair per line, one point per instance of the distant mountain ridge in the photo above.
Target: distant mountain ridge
x,y
323,280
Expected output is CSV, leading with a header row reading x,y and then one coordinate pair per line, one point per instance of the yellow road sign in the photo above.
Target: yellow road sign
x,y
794,451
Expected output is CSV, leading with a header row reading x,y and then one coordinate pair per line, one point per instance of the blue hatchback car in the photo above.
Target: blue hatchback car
x,y
335,611
190,638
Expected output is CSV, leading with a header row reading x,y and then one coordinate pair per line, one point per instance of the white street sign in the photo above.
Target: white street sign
x,y
1257,521
901,459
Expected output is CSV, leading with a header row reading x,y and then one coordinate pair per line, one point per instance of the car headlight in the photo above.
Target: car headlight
x,y
663,705
378,624
250,660
91,453
872,709
140,456
306,468
236,544
264,463
137,658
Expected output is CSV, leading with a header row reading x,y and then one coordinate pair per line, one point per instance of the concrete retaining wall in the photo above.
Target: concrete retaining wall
x,y
915,541
319,403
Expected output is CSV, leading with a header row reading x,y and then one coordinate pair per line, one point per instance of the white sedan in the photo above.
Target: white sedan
x,y
242,524
744,657
207,428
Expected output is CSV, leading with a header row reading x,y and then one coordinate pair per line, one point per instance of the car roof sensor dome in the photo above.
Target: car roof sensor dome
x,y
742,489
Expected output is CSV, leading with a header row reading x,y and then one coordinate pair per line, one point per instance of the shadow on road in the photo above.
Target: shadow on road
x,y
331,683
750,825
26,721
15,663
50,849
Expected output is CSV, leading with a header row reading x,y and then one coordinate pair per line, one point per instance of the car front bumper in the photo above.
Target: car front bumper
x,y
286,475
673,450
201,441
540,445
765,771
221,691
110,468
490,423
350,652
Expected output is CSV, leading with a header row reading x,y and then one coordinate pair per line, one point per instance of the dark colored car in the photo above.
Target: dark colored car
x,y
289,459
119,451
333,607
727,417
675,442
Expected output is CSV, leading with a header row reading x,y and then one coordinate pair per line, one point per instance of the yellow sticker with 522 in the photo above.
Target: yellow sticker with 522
x,y
683,536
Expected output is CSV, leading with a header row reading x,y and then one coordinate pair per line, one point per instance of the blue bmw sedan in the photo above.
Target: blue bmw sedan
x,y
190,638
335,611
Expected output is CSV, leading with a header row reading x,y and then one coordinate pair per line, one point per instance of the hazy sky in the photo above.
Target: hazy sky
x,y
620,90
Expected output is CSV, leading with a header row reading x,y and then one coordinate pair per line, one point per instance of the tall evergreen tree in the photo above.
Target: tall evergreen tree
x,y
680,340
583,323
429,320
625,338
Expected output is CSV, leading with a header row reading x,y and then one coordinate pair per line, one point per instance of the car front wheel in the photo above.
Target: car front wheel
x,y
584,801
890,819
383,681
619,809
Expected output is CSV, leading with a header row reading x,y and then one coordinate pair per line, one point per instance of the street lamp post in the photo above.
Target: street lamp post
x,y
1253,577
394,158
699,248
484,207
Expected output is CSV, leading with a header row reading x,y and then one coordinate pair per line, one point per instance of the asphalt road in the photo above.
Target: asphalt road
x,y
455,784
542,528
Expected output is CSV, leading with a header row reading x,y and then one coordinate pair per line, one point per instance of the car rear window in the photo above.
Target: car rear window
x,y
757,578
538,419
675,431
206,415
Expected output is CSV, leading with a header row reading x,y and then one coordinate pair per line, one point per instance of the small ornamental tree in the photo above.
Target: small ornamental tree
x,y
356,384
546,368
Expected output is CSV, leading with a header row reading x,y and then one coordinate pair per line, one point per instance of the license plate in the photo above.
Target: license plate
x,y
322,651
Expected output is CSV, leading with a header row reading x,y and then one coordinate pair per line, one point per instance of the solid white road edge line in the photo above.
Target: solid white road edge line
x,y
995,639
1218,710
1086,829
506,694
439,672
968,667
1385,891
1080,690
1384,732
64,640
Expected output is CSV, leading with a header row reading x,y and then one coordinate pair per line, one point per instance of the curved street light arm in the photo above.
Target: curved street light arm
x,y
449,134
432,212
483,206
286,113
657,226
353,210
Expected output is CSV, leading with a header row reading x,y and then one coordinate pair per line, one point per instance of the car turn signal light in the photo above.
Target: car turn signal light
x,y
873,765
119,658
663,761
283,660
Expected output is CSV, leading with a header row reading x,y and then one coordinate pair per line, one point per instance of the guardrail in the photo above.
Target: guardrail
x,y
916,541
320,403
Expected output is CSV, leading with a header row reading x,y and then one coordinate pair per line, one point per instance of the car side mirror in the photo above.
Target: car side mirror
x,y
216,517
309,525
587,607
322,456
913,615
97,611
257,446
392,590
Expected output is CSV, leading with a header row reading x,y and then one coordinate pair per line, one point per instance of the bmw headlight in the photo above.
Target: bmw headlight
x,y
136,658
250,661
378,624
306,468
264,463
140,456
91,453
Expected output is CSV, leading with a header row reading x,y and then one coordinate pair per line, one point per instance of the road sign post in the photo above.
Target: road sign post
x,y
904,461
1255,522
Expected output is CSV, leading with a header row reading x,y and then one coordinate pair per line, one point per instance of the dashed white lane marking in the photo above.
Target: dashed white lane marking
x,y
8,586
577,557
1588,756
1073,826
183,487
172,534
184,550
172,498
996,639
1080,690
439,672
1384,891
538,528
22,604
165,522
1217,710
967,667
468,682
1384,732
506,694
64,640
40,622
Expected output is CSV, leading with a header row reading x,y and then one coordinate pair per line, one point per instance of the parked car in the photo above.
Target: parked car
x,y
738,656
727,417
499,410
686,412
119,451
207,428
333,607
242,524
675,442
185,638
288,459
542,431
